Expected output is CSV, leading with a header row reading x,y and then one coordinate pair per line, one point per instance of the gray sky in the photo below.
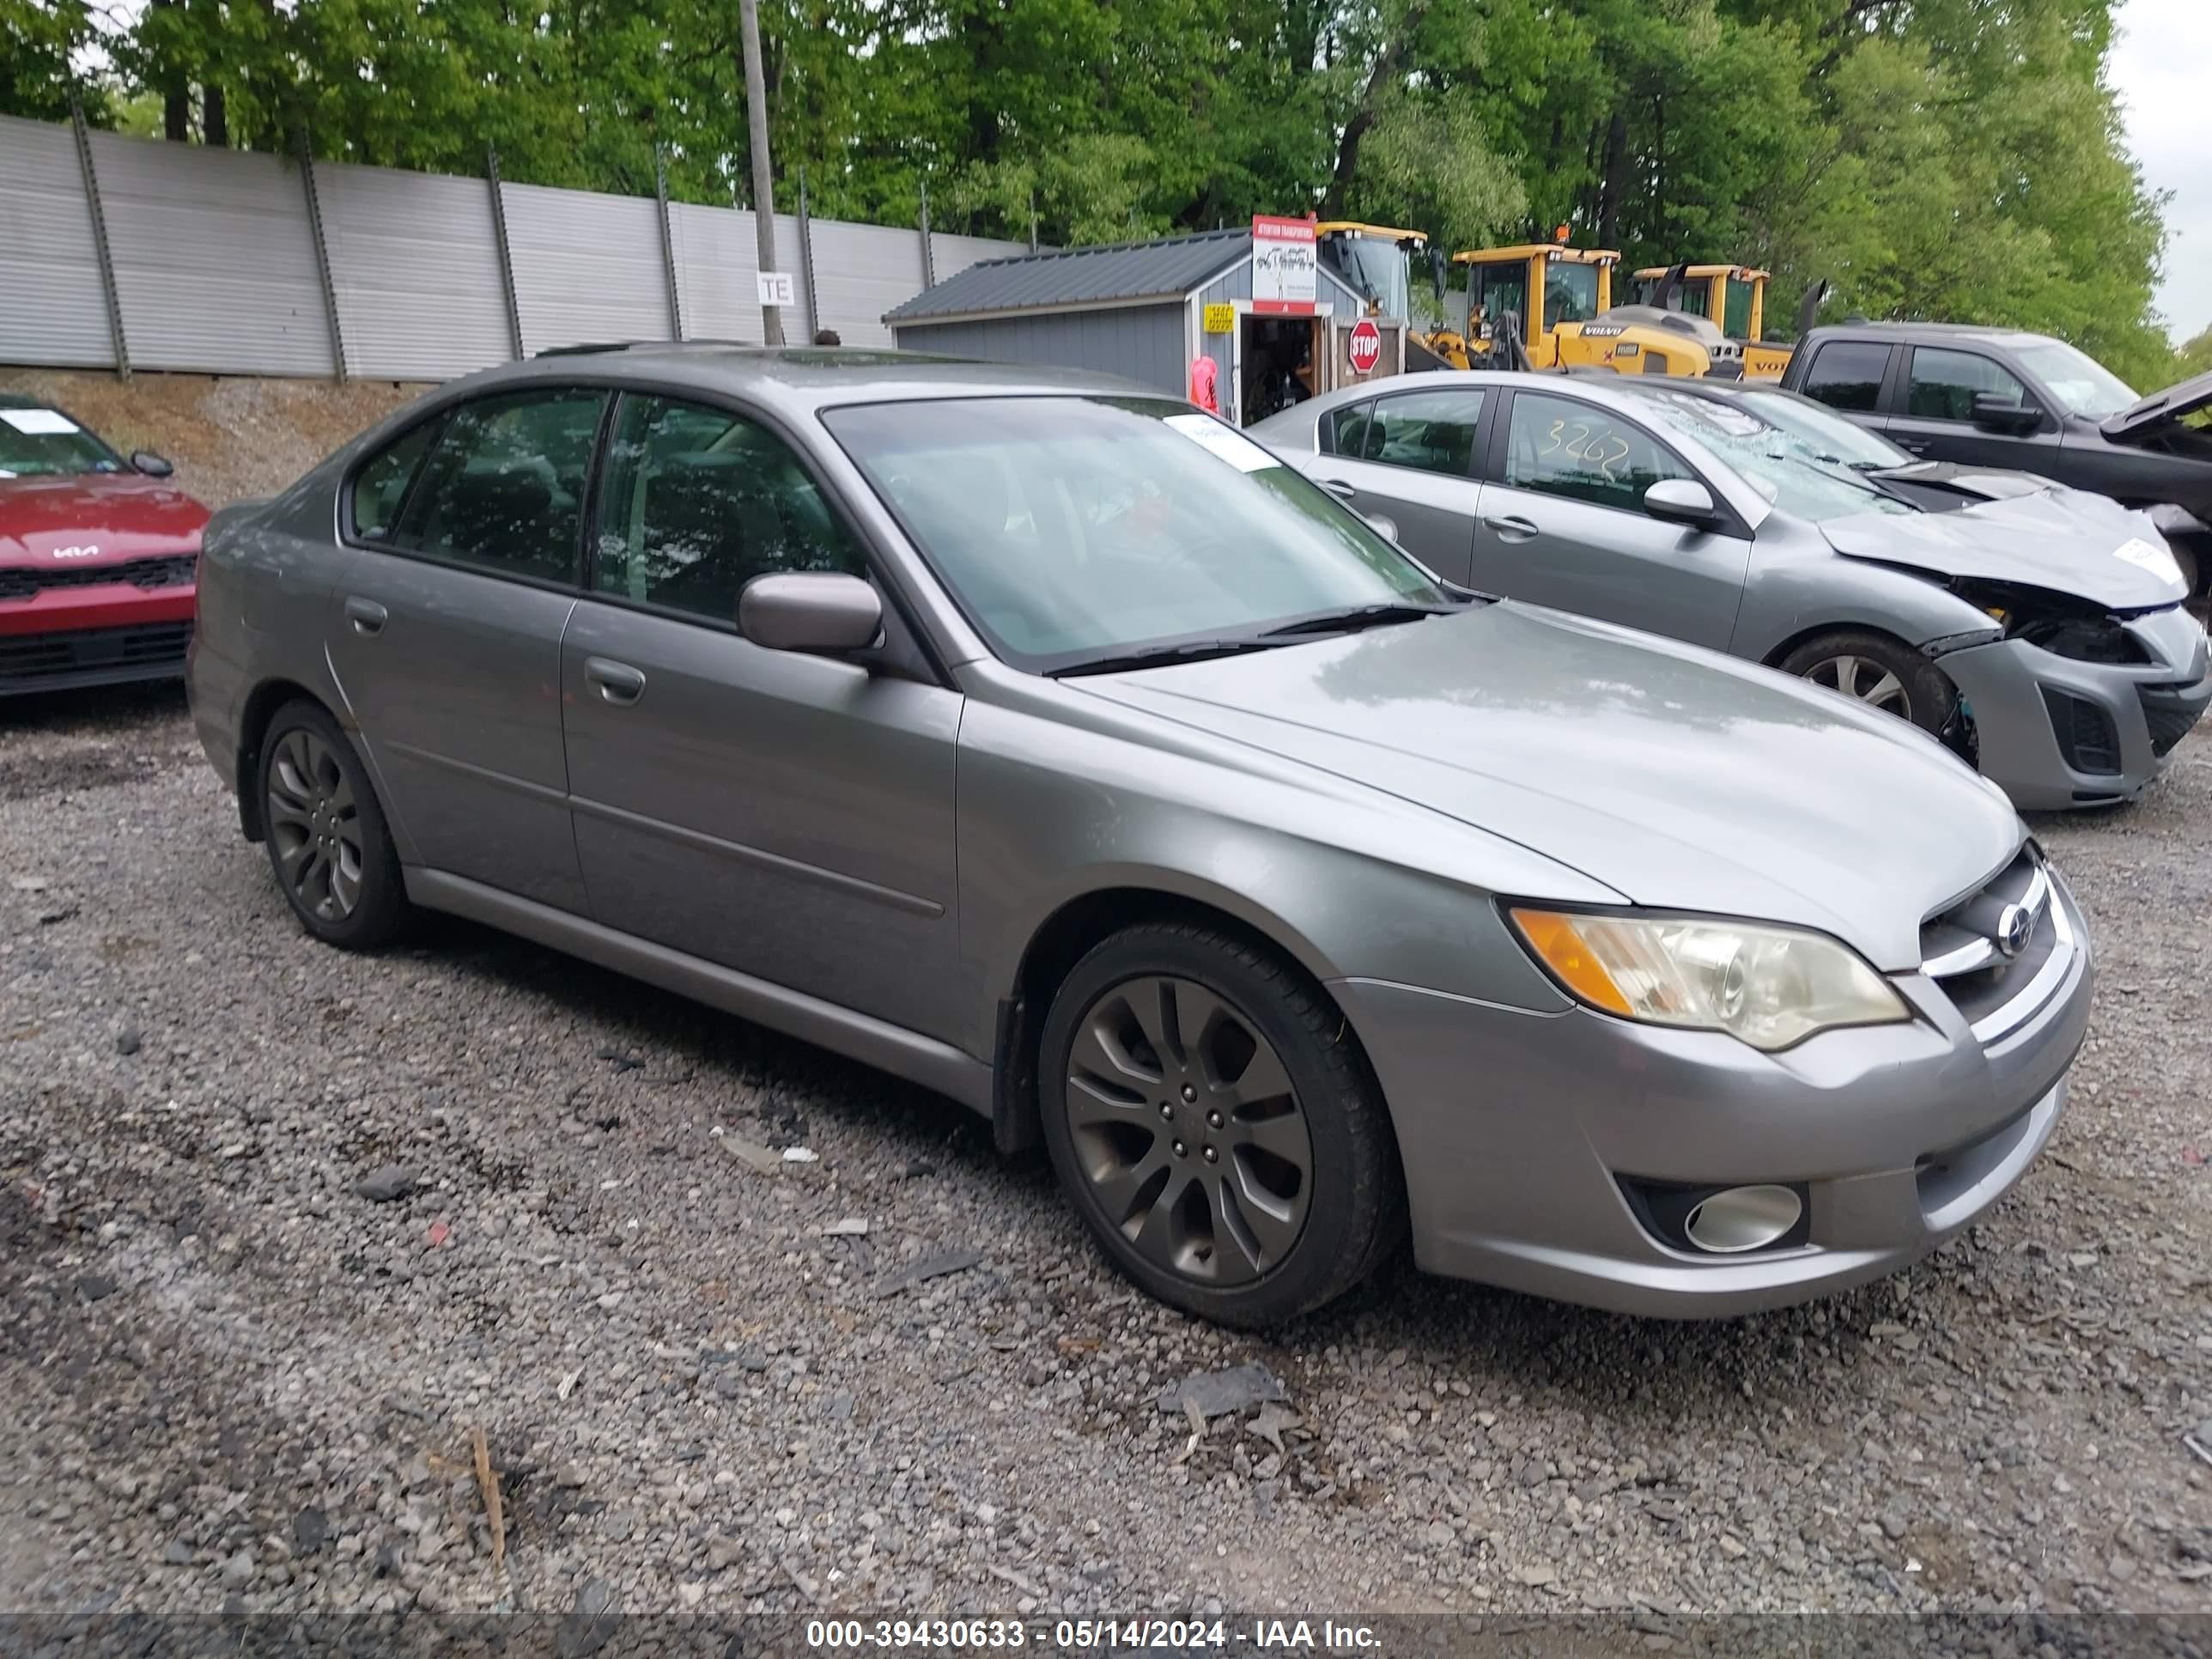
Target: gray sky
x,y
2161,67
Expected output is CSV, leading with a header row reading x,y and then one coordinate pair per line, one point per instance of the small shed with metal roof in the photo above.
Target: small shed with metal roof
x,y
1145,311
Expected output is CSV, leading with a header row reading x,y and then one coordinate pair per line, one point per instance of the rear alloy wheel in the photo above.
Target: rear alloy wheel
x,y
1218,1132
1880,672
313,822
325,832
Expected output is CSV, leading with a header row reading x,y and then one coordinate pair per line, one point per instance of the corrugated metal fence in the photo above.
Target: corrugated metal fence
x,y
137,253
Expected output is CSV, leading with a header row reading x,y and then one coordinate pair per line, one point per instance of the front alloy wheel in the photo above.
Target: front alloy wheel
x,y
1216,1126
1879,671
1864,679
1189,1130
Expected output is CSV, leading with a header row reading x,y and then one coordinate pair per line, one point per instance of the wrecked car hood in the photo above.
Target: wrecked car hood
x,y
2065,540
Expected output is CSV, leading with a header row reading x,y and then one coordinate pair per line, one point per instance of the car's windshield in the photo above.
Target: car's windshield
x,y
2078,380
1071,528
37,442
1778,464
1828,433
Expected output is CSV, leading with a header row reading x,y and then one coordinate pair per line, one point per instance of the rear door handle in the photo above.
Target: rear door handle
x,y
1918,445
618,682
366,616
1338,488
1512,528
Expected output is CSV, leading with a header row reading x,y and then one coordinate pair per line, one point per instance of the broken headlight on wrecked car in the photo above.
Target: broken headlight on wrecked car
x,y
2057,622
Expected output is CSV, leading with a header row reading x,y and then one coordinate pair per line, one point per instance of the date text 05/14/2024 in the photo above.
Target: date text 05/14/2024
x,y
1259,1636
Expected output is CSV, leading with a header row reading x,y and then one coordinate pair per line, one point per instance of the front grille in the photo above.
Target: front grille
x,y
174,570
90,650
2168,717
1961,946
2088,740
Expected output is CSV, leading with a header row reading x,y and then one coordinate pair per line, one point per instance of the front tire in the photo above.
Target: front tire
x,y
324,829
1217,1127
1879,671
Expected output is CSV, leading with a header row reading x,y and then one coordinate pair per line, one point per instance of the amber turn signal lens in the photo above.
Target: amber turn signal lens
x,y
1552,937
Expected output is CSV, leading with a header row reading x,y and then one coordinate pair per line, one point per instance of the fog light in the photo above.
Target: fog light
x,y
1741,1218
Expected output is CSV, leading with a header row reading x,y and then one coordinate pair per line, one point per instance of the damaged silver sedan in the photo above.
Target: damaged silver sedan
x,y
2041,635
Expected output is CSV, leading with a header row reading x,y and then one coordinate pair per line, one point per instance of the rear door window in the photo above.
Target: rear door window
x,y
1347,429
1428,431
1944,384
503,488
1848,375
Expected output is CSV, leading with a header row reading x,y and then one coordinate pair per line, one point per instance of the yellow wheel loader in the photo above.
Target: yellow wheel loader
x,y
1562,298
1732,296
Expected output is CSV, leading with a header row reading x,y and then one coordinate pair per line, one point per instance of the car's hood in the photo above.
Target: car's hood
x,y
2065,540
2145,418
93,519
1990,483
1677,777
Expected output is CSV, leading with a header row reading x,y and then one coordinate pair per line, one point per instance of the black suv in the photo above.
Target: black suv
x,y
2001,397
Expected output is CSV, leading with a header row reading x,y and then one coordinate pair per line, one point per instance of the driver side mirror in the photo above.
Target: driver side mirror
x,y
1681,501
821,614
1995,412
153,465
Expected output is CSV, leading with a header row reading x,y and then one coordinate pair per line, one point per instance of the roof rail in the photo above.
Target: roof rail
x,y
589,349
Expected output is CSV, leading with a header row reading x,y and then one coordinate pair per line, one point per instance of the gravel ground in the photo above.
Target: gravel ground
x,y
234,1379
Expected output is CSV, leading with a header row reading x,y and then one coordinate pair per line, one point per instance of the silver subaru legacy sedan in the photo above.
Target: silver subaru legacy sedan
x,y
1051,744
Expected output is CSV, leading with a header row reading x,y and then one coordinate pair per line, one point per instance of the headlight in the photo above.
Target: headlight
x,y
1771,987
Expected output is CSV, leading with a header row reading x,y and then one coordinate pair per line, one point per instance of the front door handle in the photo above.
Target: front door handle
x,y
1512,528
618,682
366,616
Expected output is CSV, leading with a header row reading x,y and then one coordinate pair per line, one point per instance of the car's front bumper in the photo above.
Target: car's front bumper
x,y
62,640
2056,732
1526,1138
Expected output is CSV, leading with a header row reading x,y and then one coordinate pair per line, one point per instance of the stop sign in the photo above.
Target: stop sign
x,y
1365,346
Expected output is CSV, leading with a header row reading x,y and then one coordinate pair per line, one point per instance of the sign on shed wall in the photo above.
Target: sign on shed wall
x,y
1285,266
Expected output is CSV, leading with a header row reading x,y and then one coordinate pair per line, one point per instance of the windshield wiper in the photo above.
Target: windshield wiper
x,y
1159,656
1352,621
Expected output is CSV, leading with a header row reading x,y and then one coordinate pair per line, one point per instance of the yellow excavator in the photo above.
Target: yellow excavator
x,y
1545,305
1733,296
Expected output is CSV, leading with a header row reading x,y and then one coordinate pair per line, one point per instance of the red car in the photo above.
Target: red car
x,y
97,557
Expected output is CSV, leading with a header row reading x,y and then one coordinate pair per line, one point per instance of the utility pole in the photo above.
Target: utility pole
x,y
763,180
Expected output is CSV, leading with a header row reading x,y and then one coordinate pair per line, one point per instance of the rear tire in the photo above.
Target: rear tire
x,y
1217,1127
1881,672
328,842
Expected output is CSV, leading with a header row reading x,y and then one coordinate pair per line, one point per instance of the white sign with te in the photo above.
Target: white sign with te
x,y
38,422
777,288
